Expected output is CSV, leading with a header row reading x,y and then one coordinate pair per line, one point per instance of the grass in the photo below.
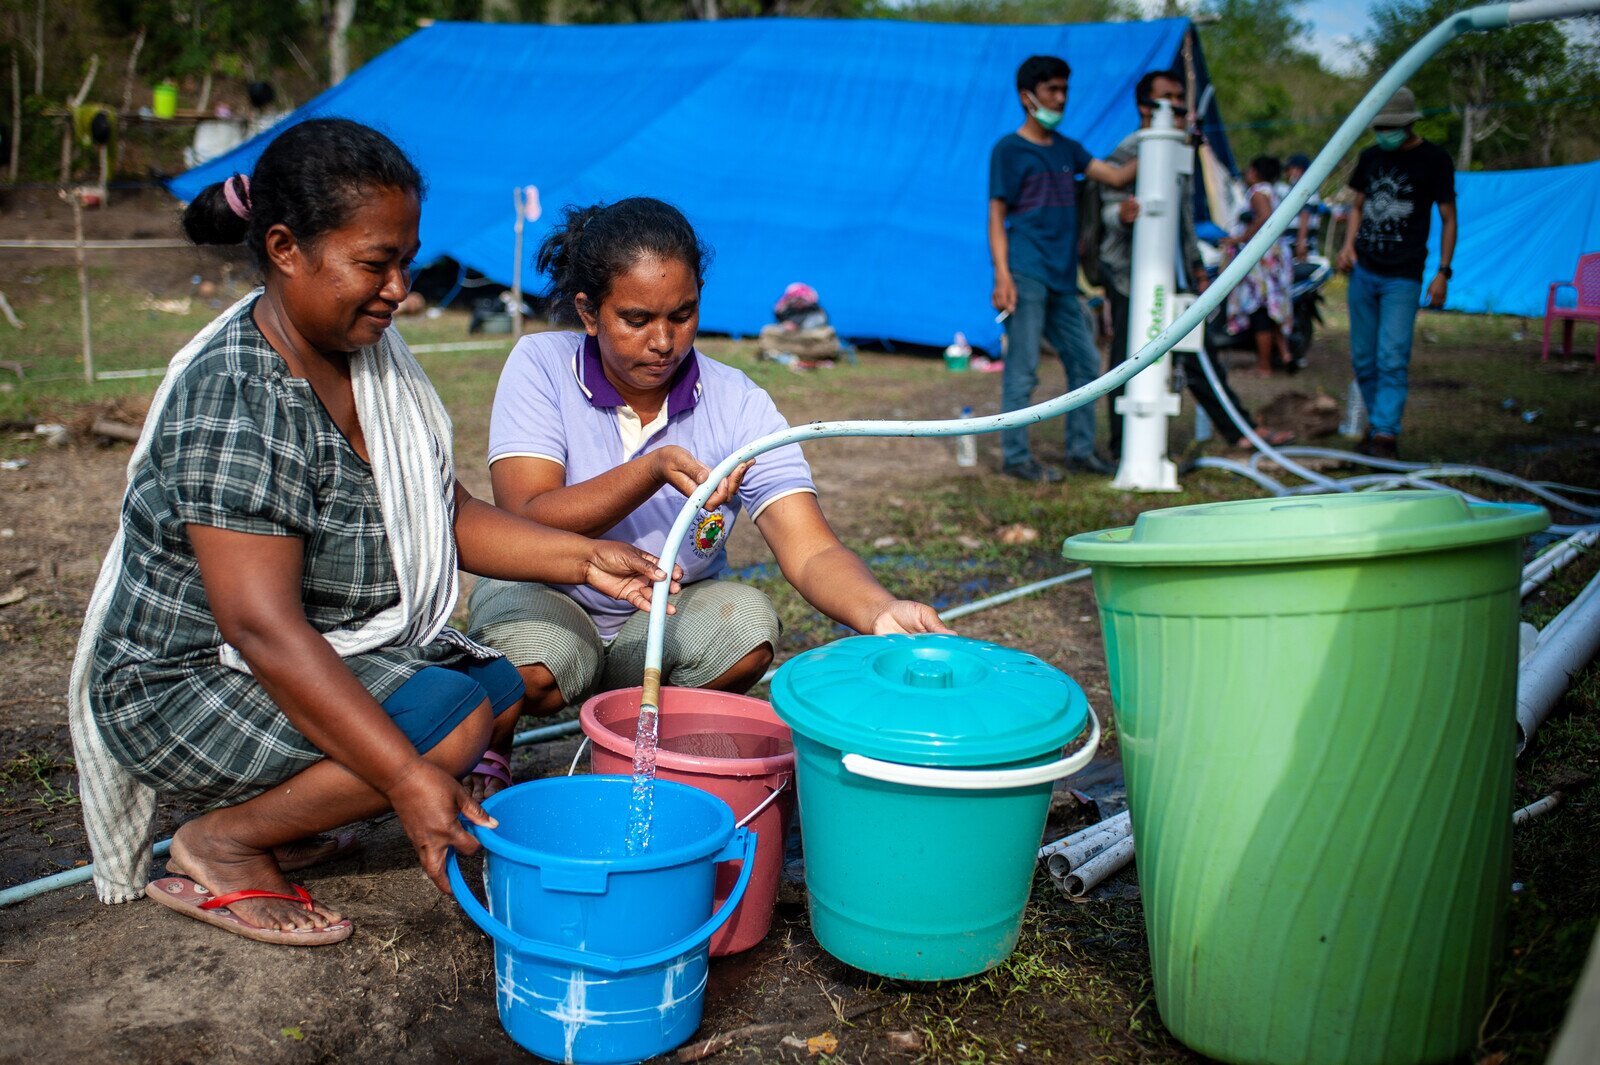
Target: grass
x,y
29,779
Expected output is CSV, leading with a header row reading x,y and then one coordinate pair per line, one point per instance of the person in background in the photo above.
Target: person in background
x,y
1308,228
607,430
1033,240
1118,211
1398,182
1262,303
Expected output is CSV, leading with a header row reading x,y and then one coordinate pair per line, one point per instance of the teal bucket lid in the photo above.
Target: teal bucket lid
x,y
1310,528
929,700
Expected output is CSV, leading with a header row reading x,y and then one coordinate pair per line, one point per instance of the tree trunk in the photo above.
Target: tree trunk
x,y
204,102
1469,117
555,13
38,50
344,13
16,117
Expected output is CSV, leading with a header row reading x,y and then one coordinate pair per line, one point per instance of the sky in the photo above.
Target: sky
x,y
1335,26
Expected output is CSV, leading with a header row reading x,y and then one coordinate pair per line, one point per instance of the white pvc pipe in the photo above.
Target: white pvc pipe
x,y
1117,823
1565,646
1079,854
1536,809
1545,566
1095,871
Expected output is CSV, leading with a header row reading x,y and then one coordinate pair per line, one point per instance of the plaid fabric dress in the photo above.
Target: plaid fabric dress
x,y
246,447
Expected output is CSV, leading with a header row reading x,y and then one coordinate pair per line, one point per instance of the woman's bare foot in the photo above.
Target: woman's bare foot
x,y
222,865
300,854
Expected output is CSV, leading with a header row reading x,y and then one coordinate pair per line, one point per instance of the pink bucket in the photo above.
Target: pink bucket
x,y
732,746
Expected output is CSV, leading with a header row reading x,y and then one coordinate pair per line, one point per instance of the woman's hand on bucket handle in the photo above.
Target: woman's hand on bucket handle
x,y
905,617
624,572
430,803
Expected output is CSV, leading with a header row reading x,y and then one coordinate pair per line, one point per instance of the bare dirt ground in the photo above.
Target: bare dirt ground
x,y
138,984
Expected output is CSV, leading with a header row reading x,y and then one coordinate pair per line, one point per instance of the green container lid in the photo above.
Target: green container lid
x,y
929,700
1343,525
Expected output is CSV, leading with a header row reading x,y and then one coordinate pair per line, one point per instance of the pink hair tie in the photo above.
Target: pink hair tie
x,y
239,205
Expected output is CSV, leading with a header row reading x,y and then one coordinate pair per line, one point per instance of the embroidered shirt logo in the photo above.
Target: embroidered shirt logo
x,y
708,533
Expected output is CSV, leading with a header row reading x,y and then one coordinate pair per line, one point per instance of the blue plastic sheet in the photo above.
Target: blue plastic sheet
x,y
1521,230
852,155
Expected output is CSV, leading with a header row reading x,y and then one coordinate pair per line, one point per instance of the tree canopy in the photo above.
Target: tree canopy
x,y
1523,97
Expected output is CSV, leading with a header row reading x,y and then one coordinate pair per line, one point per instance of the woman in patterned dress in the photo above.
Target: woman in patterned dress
x,y
1263,303
259,556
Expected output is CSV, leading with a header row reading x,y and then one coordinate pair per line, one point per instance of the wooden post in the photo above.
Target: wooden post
x,y
83,283
516,266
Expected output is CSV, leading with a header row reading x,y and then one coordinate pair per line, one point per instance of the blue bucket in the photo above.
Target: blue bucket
x,y
600,957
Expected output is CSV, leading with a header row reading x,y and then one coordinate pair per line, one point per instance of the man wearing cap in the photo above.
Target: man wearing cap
x,y
1397,183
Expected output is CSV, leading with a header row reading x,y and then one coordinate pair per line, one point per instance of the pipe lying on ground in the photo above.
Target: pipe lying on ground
x,y
1078,883
1535,809
1066,860
1122,822
1545,566
1565,646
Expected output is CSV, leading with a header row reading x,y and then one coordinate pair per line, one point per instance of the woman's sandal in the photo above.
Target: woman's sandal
x,y
190,899
494,766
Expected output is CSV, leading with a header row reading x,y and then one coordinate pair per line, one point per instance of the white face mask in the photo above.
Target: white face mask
x,y
1044,116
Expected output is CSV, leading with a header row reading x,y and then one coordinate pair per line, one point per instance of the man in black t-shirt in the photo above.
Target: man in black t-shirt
x,y
1398,182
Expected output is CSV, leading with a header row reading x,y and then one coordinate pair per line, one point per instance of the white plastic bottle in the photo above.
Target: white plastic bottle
x,y
966,444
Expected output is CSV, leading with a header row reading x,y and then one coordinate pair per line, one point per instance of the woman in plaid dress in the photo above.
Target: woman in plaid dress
x,y
229,667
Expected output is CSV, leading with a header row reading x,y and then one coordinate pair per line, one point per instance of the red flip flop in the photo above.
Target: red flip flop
x,y
190,899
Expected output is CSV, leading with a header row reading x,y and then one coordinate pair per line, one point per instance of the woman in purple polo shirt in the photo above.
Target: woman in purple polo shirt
x,y
608,430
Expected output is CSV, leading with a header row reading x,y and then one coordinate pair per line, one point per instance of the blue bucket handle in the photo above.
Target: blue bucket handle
x,y
741,847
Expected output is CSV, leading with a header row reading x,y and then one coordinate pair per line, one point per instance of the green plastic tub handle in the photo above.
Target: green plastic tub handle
x,y
921,776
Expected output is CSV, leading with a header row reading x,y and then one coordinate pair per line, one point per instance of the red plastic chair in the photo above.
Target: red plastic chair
x,y
1586,282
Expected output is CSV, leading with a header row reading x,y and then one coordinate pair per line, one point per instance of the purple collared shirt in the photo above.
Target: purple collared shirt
x,y
554,403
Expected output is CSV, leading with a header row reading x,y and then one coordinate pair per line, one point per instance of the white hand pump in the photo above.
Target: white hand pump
x,y
1164,154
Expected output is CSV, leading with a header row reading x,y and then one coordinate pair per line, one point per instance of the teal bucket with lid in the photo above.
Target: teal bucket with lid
x,y
601,957
1315,702
925,766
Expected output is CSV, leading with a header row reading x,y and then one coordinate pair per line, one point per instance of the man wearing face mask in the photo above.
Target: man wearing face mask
x,y
1033,239
1397,183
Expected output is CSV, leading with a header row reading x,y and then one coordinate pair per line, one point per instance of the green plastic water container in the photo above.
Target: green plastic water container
x,y
925,765
1315,704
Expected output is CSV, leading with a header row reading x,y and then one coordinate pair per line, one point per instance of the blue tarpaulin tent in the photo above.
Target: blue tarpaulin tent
x,y
852,155
1520,231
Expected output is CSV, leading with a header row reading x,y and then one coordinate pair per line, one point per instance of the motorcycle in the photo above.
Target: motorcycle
x,y
1310,275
